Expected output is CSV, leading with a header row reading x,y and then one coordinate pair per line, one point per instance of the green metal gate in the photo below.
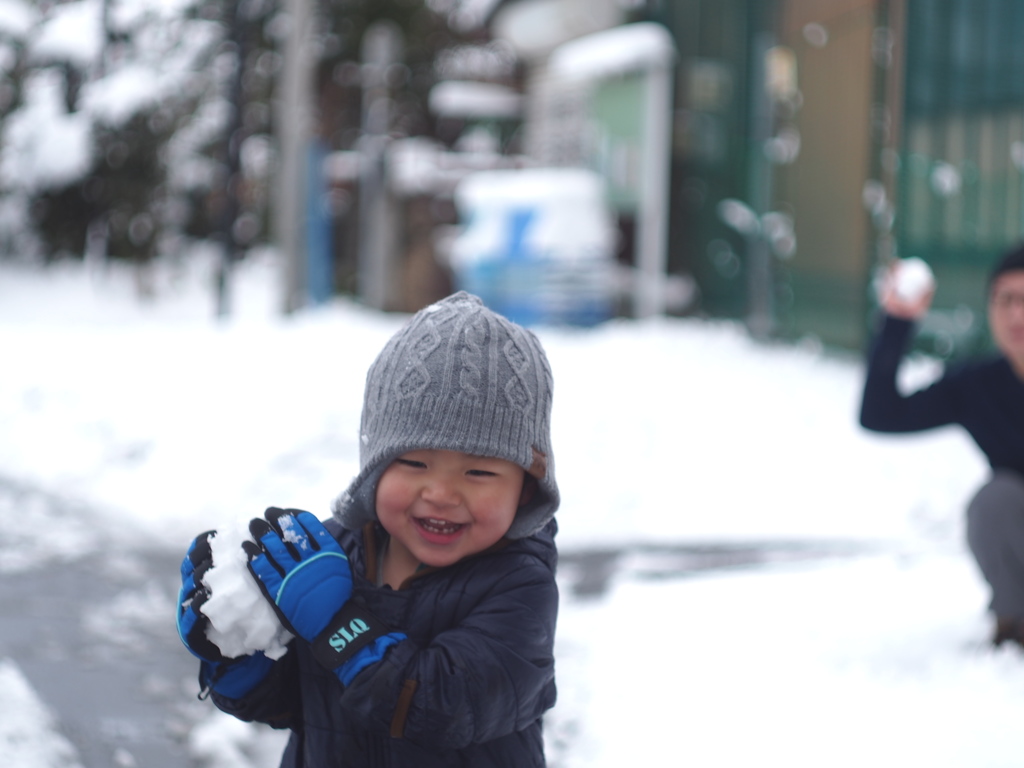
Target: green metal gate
x,y
962,161
712,152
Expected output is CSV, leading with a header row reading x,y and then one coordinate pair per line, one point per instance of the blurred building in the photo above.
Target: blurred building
x,y
810,141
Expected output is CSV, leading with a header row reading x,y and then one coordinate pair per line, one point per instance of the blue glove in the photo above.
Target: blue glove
x,y
233,677
367,656
306,576
192,623
301,569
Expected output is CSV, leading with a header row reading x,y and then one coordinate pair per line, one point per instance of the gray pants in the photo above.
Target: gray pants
x,y
995,534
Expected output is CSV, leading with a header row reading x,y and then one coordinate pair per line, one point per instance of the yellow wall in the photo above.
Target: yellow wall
x,y
823,187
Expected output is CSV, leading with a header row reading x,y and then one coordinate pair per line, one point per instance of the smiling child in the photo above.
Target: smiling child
x,y
424,611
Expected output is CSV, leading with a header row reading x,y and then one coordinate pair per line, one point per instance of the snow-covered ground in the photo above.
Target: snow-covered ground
x,y
163,422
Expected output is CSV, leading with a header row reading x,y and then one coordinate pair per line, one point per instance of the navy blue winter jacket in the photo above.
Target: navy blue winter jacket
x,y
468,688
985,397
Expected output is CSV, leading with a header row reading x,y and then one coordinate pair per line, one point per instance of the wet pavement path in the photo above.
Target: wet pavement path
x,y
589,572
95,636
96,640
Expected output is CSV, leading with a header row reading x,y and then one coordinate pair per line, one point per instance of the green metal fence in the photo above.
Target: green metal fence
x,y
956,138
962,161
711,142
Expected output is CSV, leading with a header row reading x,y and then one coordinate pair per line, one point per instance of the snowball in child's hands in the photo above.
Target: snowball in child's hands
x,y
912,278
241,620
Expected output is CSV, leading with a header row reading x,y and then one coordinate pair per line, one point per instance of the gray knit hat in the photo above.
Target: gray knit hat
x,y
457,377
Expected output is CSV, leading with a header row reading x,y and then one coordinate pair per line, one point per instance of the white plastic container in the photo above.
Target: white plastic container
x,y
538,245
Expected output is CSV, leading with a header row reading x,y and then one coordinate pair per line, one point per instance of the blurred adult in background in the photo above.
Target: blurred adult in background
x,y
985,397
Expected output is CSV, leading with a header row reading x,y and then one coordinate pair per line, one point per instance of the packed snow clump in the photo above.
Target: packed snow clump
x,y
241,619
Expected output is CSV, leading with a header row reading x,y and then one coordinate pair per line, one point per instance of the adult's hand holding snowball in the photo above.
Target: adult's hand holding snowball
x,y
907,289
913,279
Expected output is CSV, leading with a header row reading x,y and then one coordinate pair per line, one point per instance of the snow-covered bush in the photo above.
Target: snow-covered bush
x,y
113,122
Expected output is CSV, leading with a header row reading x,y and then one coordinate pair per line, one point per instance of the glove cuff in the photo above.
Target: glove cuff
x,y
352,629
233,679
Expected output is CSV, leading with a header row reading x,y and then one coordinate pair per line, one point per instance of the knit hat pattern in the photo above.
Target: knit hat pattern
x,y
457,377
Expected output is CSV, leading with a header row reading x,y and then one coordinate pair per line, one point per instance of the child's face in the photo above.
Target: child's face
x,y
442,506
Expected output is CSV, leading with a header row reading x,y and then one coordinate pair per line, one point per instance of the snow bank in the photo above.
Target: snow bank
x,y
221,741
29,737
880,661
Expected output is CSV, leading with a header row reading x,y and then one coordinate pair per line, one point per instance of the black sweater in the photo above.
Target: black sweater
x,y
985,397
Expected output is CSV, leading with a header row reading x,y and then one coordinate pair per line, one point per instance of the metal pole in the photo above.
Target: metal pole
x,y
232,170
760,287
382,46
293,117
652,232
